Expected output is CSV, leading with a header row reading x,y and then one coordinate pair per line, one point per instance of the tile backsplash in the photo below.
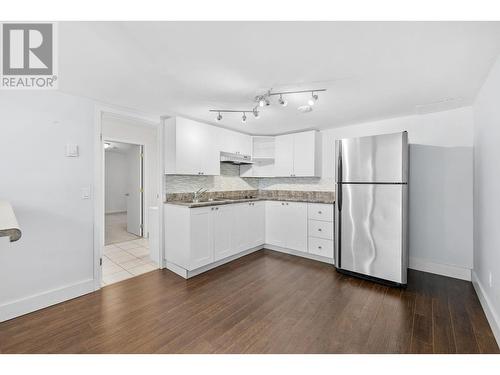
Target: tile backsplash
x,y
230,180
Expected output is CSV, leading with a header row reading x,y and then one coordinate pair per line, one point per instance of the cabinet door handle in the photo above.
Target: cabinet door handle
x,y
319,247
319,212
217,208
319,229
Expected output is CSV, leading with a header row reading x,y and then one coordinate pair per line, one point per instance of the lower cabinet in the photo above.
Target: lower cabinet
x,y
248,227
222,222
286,225
196,237
201,238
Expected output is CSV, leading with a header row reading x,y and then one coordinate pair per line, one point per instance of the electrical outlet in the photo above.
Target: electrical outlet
x,y
490,279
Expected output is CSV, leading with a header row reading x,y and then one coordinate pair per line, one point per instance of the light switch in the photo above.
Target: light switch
x,y
71,150
85,193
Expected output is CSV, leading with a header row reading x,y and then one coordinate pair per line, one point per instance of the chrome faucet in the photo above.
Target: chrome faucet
x,y
198,193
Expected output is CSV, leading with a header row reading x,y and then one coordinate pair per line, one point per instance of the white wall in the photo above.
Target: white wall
x,y
53,260
487,197
440,186
116,180
444,129
136,132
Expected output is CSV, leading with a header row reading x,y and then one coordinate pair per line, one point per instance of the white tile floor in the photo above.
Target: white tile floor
x,y
116,229
126,259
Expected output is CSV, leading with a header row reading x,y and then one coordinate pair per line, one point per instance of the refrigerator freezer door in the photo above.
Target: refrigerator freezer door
x,y
381,158
370,231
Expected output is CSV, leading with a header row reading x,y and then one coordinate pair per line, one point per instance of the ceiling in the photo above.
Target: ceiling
x,y
372,70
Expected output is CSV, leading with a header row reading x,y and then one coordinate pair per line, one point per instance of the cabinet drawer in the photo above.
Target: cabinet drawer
x,y
320,246
320,211
321,229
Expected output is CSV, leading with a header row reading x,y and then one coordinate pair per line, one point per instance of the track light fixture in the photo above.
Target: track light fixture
x,y
256,113
313,99
282,101
265,100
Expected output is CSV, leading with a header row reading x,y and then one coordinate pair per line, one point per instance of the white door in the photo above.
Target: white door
x,y
275,223
134,190
240,235
304,154
256,224
208,151
222,220
190,145
283,158
296,226
202,249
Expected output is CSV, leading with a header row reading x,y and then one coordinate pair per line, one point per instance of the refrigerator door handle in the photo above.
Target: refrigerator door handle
x,y
338,226
339,162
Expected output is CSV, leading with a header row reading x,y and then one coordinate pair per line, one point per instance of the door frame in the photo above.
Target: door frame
x,y
98,191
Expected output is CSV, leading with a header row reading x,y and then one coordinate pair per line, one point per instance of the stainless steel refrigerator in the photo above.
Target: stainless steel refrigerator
x,y
371,210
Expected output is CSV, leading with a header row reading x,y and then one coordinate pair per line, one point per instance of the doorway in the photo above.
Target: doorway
x,y
126,251
124,188
128,235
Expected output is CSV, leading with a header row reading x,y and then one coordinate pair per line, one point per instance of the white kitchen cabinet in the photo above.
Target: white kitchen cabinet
x,y
201,238
256,223
296,226
321,247
283,157
222,222
196,237
248,232
306,154
191,147
275,227
286,225
320,229
234,142
240,229
298,155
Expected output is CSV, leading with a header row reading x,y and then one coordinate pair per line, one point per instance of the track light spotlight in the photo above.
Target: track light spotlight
x,y
264,100
282,101
313,99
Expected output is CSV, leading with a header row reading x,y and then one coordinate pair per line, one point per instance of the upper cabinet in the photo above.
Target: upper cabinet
x,y
234,142
193,148
298,155
306,154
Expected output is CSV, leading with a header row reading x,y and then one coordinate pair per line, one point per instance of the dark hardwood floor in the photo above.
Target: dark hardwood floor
x,y
265,302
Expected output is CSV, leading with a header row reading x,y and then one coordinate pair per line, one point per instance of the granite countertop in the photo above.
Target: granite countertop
x,y
221,198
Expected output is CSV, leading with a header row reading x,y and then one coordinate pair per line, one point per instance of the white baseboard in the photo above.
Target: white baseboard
x,y
187,274
176,269
39,301
440,269
488,309
115,212
299,253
